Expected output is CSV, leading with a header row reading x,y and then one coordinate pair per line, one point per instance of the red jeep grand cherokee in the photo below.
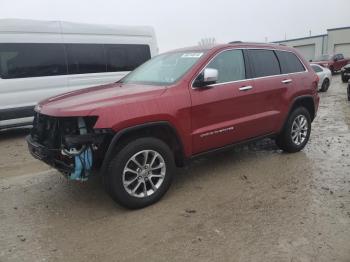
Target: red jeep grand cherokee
x,y
174,107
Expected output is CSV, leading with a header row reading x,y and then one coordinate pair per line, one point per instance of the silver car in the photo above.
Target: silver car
x,y
325,76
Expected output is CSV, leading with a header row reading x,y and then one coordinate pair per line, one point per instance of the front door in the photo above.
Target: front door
x,y
215,110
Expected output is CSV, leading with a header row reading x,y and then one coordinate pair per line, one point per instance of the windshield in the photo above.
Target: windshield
x,y
323,58
164,69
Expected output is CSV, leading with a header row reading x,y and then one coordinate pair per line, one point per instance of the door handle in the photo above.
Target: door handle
x,y
245,88
287,81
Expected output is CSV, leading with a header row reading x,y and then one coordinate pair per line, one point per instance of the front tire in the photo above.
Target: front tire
x,y
140,173
296,132
348,92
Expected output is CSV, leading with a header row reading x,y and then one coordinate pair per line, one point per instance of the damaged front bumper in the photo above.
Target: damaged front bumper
x,y
49,156
70,145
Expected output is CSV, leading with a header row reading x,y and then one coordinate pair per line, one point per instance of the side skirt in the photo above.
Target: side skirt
x,y
230,146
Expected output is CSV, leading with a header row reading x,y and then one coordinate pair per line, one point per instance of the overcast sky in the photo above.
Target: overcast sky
x,y
181,23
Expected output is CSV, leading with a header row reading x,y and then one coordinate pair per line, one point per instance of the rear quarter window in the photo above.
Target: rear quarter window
x,y
289,62
263,62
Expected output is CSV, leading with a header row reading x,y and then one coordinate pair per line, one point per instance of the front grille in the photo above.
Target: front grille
x,y
50,131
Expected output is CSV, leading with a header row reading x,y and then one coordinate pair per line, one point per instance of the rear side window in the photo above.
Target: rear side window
x,y
22,60
317,69
126,57
85,58
230,65
289,62
263,62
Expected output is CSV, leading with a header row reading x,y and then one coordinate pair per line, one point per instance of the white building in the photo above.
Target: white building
x,y
337,40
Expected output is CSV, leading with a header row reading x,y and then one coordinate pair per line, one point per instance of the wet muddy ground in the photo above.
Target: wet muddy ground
x,y
253,203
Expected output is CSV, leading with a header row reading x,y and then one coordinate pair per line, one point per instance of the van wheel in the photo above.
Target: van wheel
x,y
325,85
296,132
140,173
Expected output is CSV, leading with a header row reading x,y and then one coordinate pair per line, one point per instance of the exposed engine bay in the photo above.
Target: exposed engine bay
x,y
69,144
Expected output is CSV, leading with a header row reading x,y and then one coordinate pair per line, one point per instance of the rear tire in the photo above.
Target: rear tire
x,y
325,85
348,92
141,183
296,132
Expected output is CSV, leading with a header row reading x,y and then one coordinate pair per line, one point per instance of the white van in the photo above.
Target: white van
x,y
40,59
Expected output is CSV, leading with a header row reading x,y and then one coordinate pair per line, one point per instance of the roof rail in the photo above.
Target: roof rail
x,y
260,43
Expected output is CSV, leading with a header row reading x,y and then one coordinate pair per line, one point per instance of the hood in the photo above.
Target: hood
x,y
83,102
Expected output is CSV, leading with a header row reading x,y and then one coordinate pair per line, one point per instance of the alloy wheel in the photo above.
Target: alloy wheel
x,y
144,173
299,130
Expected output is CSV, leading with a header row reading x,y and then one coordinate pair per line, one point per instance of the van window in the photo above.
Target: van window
x,y
126,57
289,62
21,60
85,58
230,65
264,62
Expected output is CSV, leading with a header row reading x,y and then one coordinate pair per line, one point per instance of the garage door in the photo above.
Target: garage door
x,y
308,51
342,49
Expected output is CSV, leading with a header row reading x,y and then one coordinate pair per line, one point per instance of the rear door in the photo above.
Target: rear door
x,y
264,103
294,79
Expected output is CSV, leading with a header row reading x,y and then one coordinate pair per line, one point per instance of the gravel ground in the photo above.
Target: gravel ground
x,y
253,203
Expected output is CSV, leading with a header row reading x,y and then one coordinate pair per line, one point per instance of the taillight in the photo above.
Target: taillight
x,y
317,79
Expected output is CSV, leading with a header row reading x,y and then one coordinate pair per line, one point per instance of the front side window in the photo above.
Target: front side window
x,y
316,68
85,58
164,69
230,66
23,60
289,62
264,62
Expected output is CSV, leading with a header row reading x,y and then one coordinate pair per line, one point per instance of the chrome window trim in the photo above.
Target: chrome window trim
x,y
249,79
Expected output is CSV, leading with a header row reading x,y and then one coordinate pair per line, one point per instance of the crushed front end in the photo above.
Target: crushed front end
x,y
69,144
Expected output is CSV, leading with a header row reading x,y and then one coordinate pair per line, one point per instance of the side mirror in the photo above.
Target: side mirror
x,y
208,77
